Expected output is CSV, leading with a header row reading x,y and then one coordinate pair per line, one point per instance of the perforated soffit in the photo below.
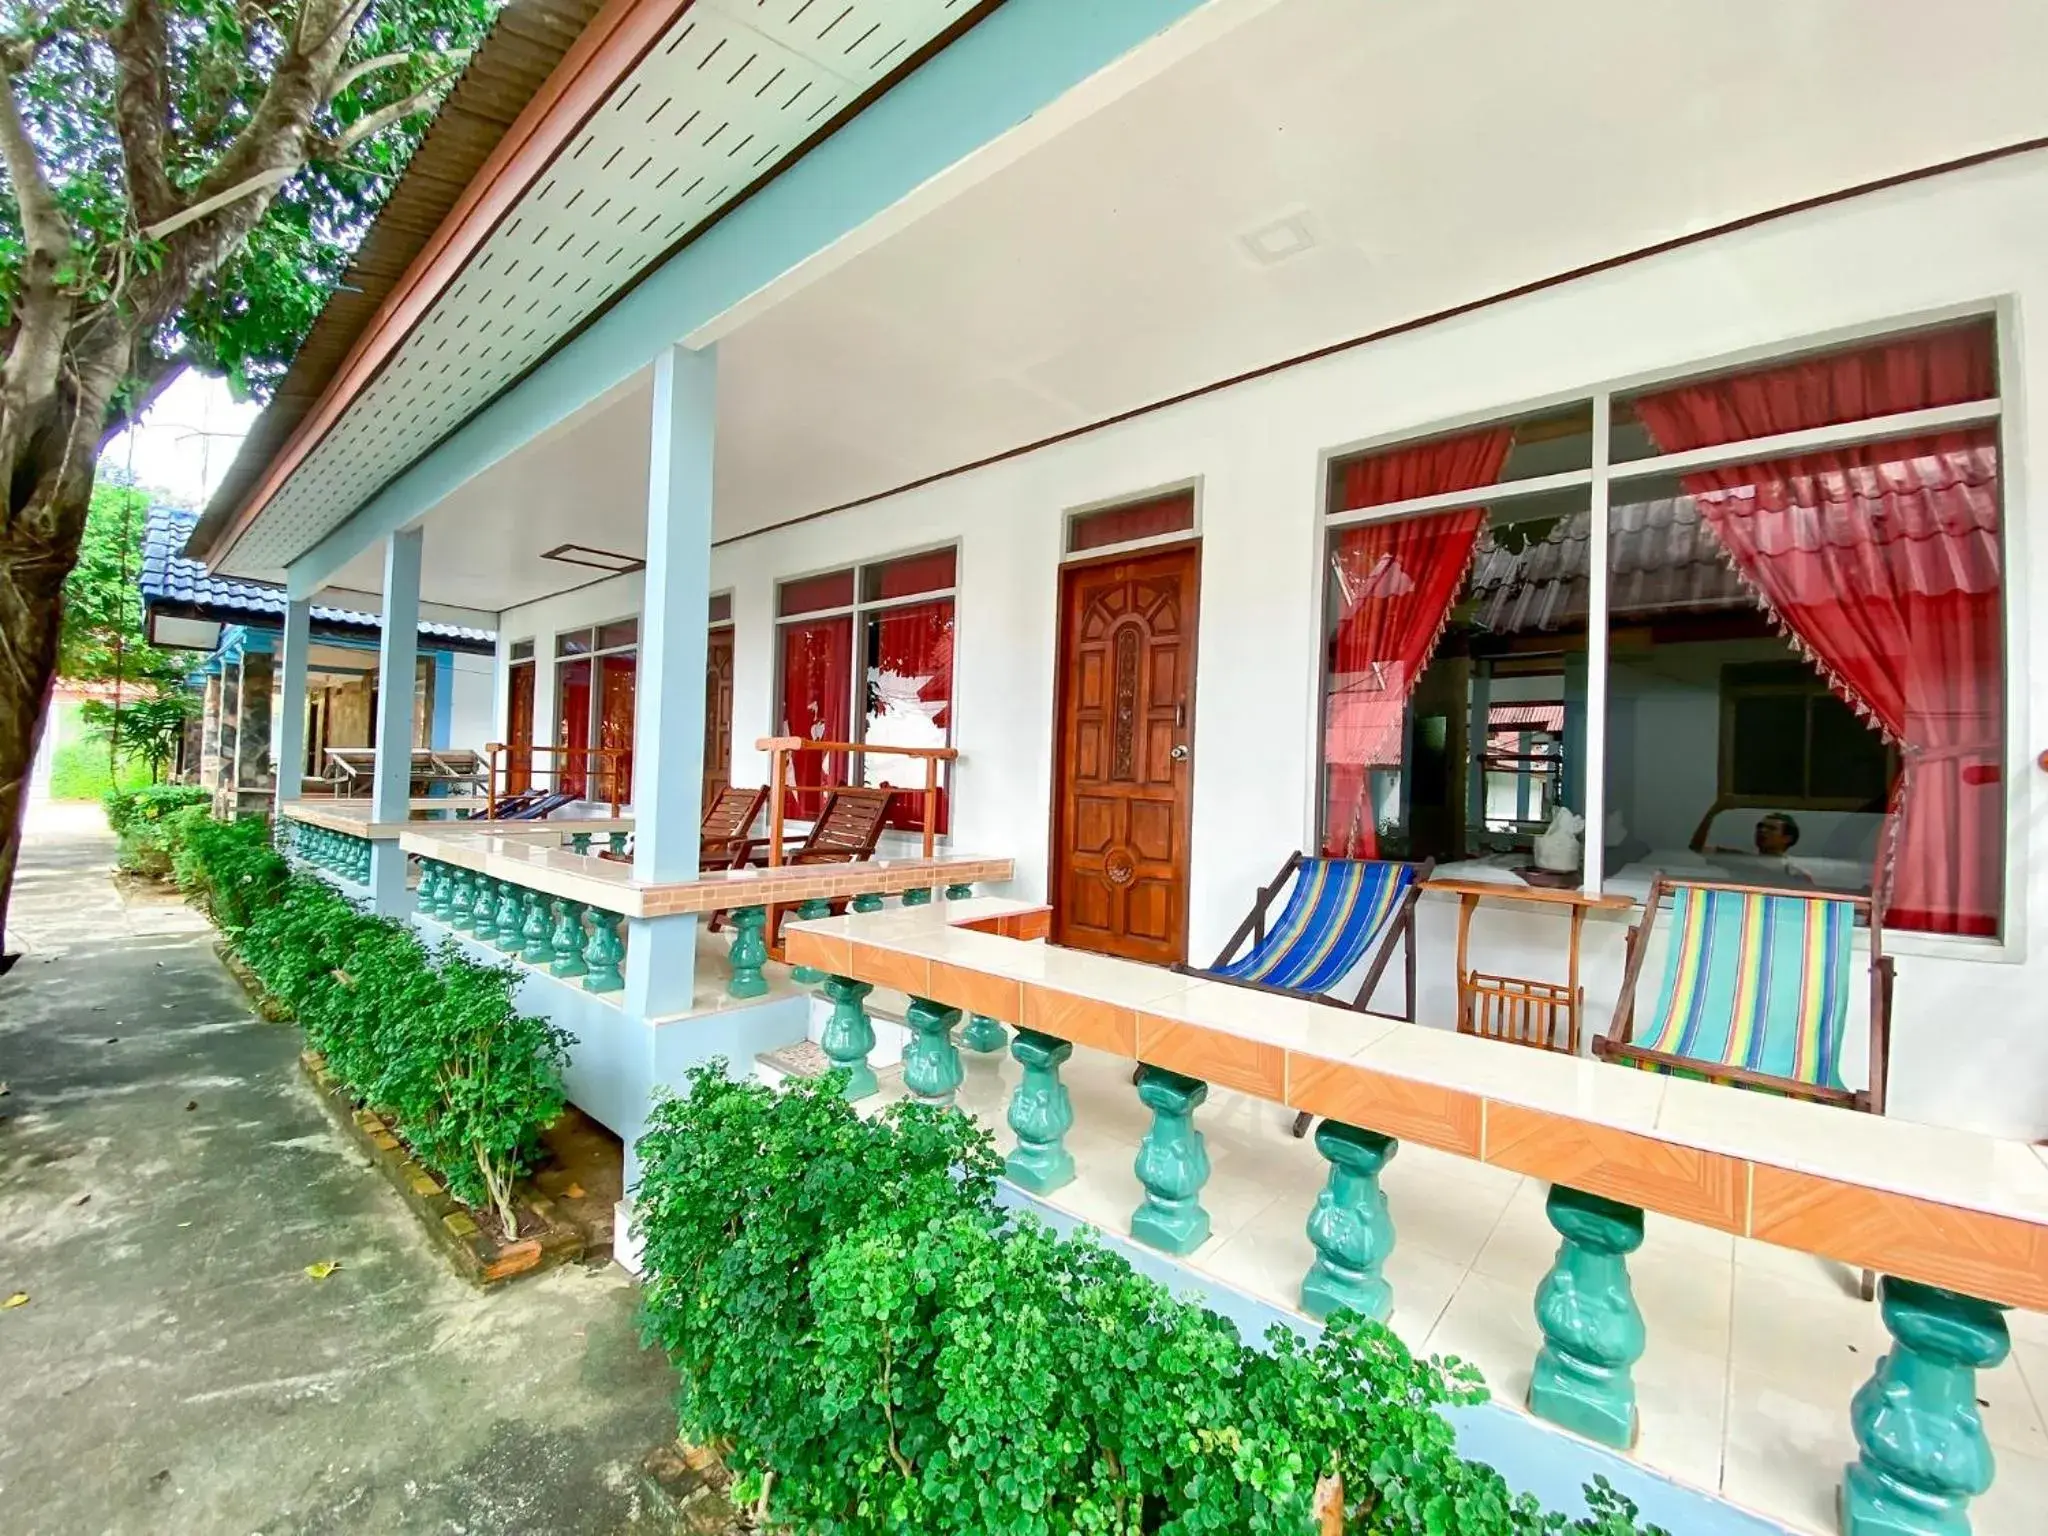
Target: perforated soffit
x,y
733,89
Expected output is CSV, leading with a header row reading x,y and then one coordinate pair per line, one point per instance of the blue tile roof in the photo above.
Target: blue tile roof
x,y
169,578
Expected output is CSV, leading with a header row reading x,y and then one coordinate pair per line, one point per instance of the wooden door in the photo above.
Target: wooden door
x,y
1124,769
519,729
717,713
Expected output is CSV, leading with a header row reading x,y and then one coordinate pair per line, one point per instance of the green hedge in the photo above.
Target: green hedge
x,y
431,1040
881,1348
141,822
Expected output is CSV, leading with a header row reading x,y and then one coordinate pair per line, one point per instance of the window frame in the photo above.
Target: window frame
x,y
856,613
1600,481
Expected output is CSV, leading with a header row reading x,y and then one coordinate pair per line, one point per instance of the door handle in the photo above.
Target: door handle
x,y
1179,754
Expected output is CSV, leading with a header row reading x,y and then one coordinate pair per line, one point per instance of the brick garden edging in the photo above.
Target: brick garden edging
x,y
271,1010
477,1257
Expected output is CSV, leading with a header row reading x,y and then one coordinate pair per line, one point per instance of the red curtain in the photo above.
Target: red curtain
x,y
909,703
1883,562
1394,586
572,726
817,704
615,724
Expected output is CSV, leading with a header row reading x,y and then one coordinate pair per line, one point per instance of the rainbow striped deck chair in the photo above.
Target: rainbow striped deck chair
x,y
1756,991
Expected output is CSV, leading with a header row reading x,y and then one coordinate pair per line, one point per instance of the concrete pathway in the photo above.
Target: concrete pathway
x,y
165,1178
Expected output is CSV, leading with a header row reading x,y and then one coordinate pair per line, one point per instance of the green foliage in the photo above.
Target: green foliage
x,y
432,1040
142,820
248,319
102,638
883,1349
78,771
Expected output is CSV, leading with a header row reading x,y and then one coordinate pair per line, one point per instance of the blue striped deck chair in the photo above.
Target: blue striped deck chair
x,y
1755,991
1340,914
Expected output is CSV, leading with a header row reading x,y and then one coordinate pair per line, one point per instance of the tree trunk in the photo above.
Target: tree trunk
x,y
32,571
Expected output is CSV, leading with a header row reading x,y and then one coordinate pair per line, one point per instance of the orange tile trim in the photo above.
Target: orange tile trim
x,y
2001,1258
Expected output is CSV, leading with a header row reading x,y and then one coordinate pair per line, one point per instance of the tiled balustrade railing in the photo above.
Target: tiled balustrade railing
x,y
556,866
572,940
339,853
1957,1223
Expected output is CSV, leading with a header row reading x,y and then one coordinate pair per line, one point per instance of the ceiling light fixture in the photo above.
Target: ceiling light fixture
x,y
1281,240
596,559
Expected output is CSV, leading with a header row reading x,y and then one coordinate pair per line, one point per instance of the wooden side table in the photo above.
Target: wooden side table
x,y
1522,1009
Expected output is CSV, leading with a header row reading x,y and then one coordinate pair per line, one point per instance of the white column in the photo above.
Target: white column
x,y
397,666
668,727
288,730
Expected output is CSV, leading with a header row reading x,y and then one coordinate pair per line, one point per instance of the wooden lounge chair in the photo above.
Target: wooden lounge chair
x,y
727,821
1755,991
1340,912
845,831
848,826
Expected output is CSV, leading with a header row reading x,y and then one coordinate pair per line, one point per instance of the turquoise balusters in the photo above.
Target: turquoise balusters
x,y
1041,1114
459,913
448,893
604,954
868,901
423,893
483,909
1592,1327
505,932
959,892
931,1064
579,842
984,1034
1173,1164
1921,1451
538,948
810,911
918,896
1351,1229
616,841
749,952
849,1035
565,941
362,860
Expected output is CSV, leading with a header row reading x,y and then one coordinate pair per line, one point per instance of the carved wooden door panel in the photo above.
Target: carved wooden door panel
x,y
717,713
1124,770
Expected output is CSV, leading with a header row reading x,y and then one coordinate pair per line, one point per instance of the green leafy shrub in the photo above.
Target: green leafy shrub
x,y
141,822
881,1348
434,1041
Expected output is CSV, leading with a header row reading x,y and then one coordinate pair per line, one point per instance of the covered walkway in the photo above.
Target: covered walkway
x,y
165,1179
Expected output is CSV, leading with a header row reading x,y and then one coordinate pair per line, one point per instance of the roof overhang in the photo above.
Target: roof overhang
x,y
661,118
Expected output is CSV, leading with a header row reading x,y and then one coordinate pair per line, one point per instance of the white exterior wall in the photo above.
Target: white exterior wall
x,y
472,718
1971,1032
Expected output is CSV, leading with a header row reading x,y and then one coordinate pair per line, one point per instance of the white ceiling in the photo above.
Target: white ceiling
x,y
1436,154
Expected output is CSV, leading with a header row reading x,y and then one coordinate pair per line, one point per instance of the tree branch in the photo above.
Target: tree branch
x,y
374,123
140,50
456,58
43,223
257,183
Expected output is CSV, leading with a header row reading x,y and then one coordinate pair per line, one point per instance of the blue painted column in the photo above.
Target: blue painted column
x,y
1921,1450
397,664
668,718
288,725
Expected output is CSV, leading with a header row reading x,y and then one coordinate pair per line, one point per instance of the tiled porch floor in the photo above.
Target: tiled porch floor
x,y
1753,1353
